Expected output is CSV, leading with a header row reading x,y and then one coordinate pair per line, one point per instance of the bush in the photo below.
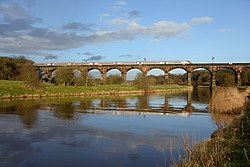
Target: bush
x,y
29,75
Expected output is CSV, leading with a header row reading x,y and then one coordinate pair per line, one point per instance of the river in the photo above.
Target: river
x,y
102,131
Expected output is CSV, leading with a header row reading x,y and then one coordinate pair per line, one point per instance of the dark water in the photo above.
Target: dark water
x,y
101,131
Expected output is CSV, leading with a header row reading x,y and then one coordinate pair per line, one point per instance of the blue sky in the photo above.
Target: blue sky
x,y
126,30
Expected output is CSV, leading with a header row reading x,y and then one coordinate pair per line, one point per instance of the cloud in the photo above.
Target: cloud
x,y
95,58
19,35
167,29
91,56
86,53
103,15
126,55
199,20
15,18
50,56
120,3
134,13
78,26
117,21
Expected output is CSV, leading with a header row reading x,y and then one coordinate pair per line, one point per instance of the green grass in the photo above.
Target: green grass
x,y
17,88
14,88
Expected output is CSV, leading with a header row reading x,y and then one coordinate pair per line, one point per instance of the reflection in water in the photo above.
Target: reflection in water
x,y
222,120
27,113
64,110
100,131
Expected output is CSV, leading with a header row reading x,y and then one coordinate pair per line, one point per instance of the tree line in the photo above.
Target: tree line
x,y
20,68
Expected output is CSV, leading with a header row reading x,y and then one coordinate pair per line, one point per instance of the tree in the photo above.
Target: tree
x,y
245,77
178,78
160,80
225,77
201,77
64,76
10,67
29,75
115,79
143,82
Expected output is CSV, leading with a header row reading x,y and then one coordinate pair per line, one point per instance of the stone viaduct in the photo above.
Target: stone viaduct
x,y
237,68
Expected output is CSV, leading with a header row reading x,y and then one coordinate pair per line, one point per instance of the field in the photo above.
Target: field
x,y
12,89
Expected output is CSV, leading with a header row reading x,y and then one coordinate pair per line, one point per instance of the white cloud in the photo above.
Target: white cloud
x,y
199,20
19,35
120,3
165,29
117,21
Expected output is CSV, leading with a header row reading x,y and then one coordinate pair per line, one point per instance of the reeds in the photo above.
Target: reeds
x,y
209,153
228,146
227,100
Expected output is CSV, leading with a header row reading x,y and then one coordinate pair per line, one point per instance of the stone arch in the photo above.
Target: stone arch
x,y
95,73
47,74
177,67
245,76
41,73
155,71
152,68
226,76
113,71
179,78
77,72
201,76
114,76
157,75
131,73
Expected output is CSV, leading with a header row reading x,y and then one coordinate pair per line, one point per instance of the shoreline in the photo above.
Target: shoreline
x,y
94,93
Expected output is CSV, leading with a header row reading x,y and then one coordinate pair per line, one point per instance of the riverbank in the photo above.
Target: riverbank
x,y
16,89
227,146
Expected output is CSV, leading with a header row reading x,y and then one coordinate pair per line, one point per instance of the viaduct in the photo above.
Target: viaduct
x,y
145,67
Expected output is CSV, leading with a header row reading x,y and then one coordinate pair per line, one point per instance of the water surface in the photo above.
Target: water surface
x,y
101,131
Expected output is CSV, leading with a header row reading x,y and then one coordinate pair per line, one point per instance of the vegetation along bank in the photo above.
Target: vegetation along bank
x,y
229,145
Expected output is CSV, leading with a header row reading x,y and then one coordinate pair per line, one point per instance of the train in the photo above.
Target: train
x,y
181,62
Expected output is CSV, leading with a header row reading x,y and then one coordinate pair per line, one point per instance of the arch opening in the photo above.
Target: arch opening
x,y
113,72
245,77
132,74
113,77
178,76
94,73
226,77
201,77
157,76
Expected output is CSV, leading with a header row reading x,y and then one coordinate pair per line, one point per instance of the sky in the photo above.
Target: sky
x,y
126,30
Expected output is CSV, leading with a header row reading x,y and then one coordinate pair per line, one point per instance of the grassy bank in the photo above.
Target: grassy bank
x,y
16,89
228,146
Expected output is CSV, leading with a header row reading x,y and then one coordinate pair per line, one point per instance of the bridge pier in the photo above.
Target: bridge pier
x,y
238,79
123,75
48,74
166,78
213,83
103,77
166,106
189,75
